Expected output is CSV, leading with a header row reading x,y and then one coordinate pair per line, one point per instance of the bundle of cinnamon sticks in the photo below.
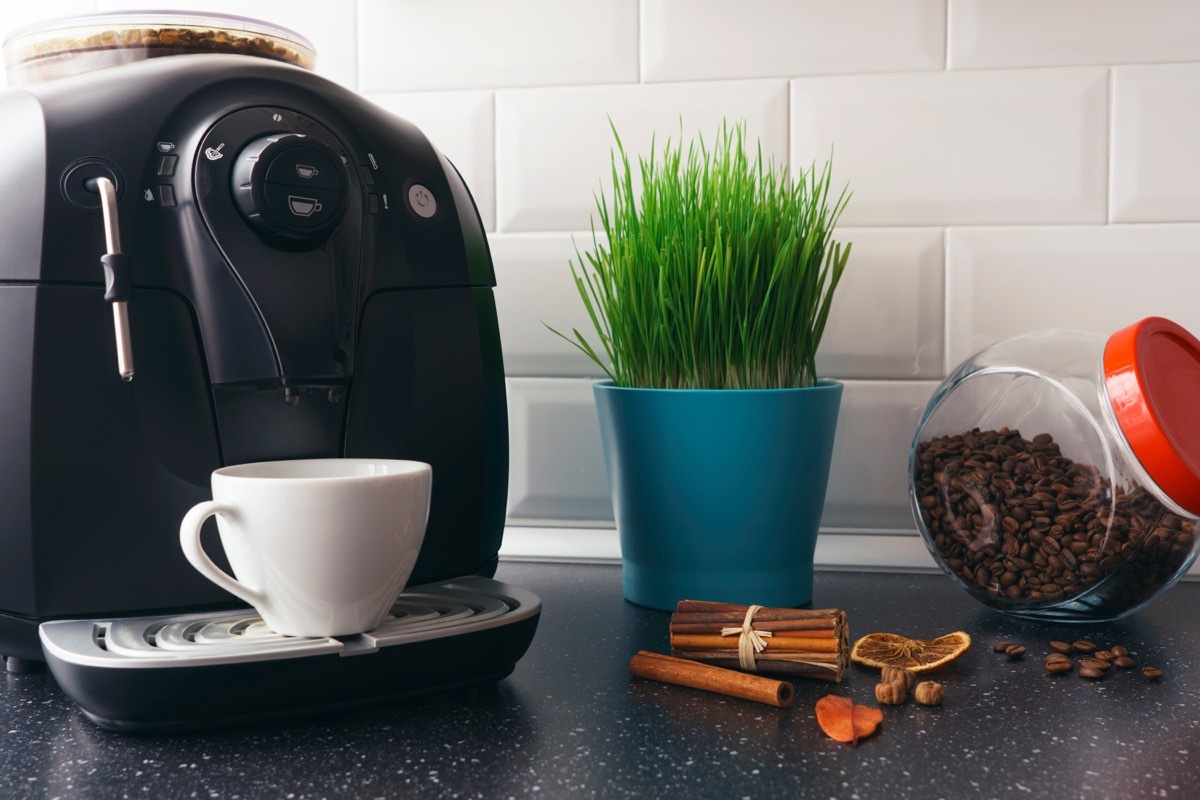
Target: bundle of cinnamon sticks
x,y
803,643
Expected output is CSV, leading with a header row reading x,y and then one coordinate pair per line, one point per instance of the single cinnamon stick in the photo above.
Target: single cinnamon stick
x,y
821,628
709,655
823,672
688,641
706,607
680,671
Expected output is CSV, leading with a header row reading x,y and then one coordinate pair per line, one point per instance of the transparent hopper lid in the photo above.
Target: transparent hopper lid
x,y
61,47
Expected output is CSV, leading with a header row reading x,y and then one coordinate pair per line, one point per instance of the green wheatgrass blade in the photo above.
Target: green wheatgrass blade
x,y
719,274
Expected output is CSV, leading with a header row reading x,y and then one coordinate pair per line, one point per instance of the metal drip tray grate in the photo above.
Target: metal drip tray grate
x,y
424,612
187,671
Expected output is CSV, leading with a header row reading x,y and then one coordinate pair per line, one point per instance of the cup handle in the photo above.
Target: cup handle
x,y
189,539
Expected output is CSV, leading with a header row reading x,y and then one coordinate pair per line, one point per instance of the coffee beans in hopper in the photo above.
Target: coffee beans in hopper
x,y
1023,526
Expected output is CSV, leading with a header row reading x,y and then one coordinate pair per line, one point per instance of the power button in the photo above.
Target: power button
x,y
420,199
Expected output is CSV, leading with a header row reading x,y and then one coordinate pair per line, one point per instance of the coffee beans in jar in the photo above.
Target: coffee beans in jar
x,y
1057,474
1023,526
70,46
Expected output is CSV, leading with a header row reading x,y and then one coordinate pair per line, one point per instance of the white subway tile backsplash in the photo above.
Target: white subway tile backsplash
x,y
329,26
1004,282
534,286
1026,146
886,318
718,40
465,44
556,464
1030,33
554,146
1155,157
461,126
868,479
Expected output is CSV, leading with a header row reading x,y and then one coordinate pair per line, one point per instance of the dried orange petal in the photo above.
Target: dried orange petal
x,y
843,720
918,655
866,720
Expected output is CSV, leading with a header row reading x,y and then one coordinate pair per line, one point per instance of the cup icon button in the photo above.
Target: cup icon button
x,y
303,206
295,209
307,171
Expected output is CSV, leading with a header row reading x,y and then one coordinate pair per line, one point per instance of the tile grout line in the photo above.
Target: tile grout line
x,y
1109,149
946,38
787,127
641,41
945,302
496,160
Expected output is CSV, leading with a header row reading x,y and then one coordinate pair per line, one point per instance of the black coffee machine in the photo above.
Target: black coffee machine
x,y
213,259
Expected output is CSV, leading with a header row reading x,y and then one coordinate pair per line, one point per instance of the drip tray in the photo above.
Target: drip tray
x,y
217,669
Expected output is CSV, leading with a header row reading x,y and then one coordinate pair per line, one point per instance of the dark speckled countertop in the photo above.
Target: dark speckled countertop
x,y
570,722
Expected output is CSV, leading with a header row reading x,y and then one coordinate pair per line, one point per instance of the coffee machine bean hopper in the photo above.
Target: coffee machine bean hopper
x,y
215,258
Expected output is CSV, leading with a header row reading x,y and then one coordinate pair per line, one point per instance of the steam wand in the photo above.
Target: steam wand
x,y
118,285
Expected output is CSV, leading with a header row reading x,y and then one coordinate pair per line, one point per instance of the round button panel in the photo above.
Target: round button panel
x,y
420,199
290,185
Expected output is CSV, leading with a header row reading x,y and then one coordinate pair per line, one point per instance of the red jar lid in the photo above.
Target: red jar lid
x,y
1152,372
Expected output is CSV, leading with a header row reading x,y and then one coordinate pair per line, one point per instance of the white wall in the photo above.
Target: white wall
x,y
1016,165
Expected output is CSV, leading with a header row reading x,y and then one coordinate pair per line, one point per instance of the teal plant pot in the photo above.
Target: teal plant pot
x,y
718,494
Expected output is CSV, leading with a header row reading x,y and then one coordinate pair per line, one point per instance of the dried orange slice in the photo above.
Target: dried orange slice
x,y
891,650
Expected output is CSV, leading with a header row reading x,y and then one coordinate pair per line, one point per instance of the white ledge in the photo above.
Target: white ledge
x,y
837,548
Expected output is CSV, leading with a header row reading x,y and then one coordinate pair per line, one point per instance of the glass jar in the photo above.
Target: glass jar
x,y
72,45
1056,475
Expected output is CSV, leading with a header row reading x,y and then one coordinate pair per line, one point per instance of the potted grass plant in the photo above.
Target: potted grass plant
x,y
709,292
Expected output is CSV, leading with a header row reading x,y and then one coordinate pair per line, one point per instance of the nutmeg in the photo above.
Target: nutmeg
x,y
906,677
890,693
929,693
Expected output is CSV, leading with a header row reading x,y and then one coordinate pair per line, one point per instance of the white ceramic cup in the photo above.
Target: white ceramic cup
x,y
320,547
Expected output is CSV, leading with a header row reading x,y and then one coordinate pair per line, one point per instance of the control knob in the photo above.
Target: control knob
x,y
290,185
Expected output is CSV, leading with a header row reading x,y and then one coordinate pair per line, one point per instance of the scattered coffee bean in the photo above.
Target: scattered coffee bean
x,y
1091,666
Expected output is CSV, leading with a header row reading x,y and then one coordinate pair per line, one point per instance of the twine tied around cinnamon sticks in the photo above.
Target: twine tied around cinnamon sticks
x,y
808,643
750,641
